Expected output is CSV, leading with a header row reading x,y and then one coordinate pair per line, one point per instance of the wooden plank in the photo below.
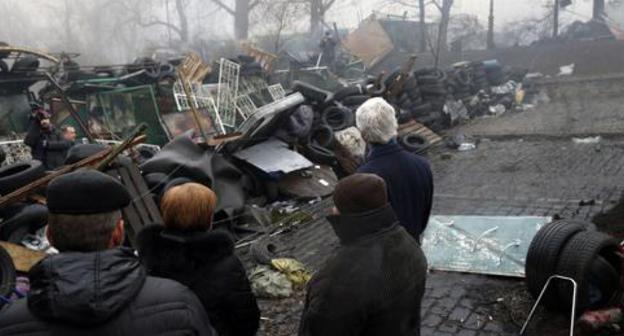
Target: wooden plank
x,y
133,213
23,258
417,128
148,202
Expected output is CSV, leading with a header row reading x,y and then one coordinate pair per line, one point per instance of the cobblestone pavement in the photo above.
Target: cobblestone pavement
x,y
577,108
543,176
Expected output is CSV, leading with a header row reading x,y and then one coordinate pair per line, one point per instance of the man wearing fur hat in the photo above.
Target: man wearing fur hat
x,y
375,282
407,175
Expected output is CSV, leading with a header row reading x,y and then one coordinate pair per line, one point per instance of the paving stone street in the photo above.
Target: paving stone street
x,y
530,172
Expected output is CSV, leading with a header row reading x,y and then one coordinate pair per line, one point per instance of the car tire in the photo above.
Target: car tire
x,y
17,175
543,254
605,282
319,154
323,135
576,260
414,143
337,118
30,219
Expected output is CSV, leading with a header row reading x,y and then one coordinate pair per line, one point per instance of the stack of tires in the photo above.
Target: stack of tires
x,y
433,87
460,84
333,112
479,77
576,250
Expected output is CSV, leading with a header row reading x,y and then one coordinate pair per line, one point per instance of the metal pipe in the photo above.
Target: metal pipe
x,y
539,298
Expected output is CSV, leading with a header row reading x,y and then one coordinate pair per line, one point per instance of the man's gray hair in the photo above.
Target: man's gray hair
x,y
82,233
377,121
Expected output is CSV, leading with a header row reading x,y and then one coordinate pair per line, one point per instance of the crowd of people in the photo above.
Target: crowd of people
x,y
185,278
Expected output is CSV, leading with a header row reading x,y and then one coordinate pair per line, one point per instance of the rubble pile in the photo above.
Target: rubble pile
x,y
436,98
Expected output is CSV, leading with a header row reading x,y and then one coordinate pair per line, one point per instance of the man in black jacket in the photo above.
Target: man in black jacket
x,y
46,143
407,175
93,287
374,284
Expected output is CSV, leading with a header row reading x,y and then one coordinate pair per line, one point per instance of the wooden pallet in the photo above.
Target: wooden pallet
x,y
23,258
420,129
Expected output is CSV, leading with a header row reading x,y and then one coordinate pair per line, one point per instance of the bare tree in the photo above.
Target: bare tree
x,y
444,6
181,28
241,11
278,17
526,31
467,29
421,6
147,15
318,9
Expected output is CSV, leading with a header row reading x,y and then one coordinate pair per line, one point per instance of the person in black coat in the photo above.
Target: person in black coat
x,y
408,176
94,287
185,249
46,143
374,284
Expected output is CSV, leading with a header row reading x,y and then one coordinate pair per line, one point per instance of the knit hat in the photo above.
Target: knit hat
x,y
360,193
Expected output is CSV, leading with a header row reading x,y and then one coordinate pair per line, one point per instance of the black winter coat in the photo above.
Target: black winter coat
x,y
374,284
206,263
102,293
409,180
47,146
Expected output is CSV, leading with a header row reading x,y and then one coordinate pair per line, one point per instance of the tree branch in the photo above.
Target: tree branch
x,y
160,23
253,4
225,7
434,2
327,5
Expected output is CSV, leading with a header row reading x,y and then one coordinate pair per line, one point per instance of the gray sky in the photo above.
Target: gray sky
x,y
349,12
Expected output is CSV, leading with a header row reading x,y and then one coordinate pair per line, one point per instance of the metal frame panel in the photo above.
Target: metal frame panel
x,y
277,91
229,73
245,106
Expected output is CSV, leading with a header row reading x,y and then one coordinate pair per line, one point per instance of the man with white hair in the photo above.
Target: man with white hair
x,y
408,176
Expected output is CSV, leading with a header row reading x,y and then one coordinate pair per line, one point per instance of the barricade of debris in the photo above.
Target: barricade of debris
x,y
270,152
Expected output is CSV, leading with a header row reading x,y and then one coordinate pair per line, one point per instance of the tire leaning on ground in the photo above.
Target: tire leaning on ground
x,y
7,274
17,175
576,261
414,143
543,254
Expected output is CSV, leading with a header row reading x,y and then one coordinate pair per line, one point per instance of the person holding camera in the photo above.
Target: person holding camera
x,y
46,143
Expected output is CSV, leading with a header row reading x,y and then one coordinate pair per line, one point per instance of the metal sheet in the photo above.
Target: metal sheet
x,y
480,244
273,156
